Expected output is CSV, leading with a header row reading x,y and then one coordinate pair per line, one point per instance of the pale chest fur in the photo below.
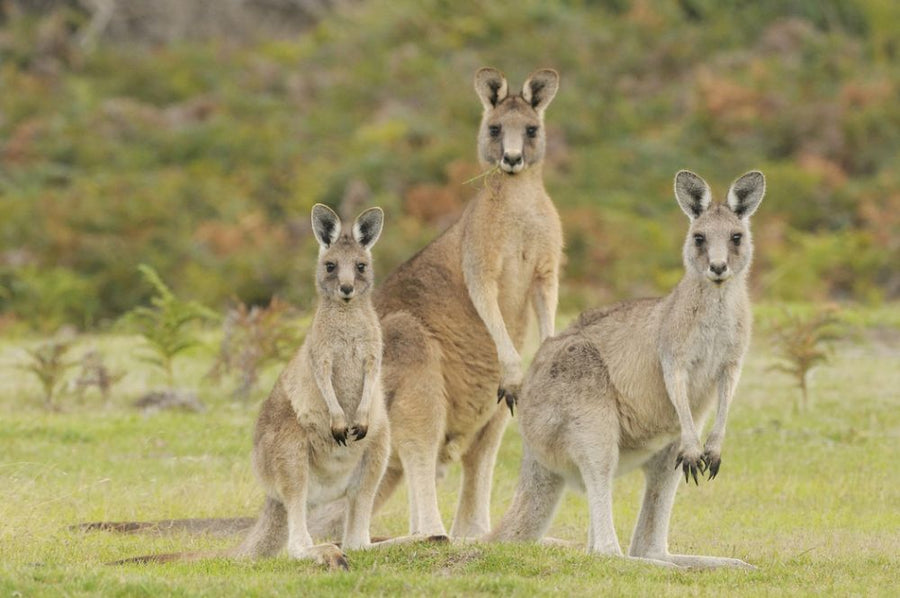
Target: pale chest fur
x,y
348,338
711,335
519,226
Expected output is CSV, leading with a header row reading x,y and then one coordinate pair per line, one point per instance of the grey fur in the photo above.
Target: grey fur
x,y
629,386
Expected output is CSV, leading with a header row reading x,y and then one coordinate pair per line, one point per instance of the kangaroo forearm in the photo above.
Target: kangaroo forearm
x,y
726,388
546,297
322,373
676,387
370,382
485,302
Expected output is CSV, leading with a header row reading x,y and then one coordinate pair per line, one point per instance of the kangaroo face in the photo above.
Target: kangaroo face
x,y
345,271
512,126
718,245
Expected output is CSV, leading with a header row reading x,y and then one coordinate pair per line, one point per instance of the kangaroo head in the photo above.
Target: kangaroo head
x,y
345,258
718,244
512,132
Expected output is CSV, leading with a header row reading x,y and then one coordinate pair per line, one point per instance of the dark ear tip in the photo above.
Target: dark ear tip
x,y
487,71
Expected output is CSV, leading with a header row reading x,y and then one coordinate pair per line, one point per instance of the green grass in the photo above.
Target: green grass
x,y
811,499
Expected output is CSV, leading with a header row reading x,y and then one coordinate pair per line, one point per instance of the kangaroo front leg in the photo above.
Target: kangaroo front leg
x,y
322,369
370,387
473,514
690,458
712,450
545,294
481,280
651,533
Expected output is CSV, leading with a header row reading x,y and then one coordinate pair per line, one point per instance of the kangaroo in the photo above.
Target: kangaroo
x,y
323,432
630,385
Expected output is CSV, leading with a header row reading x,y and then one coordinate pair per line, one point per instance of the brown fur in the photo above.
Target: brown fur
x,y
323,432
454,316
630,386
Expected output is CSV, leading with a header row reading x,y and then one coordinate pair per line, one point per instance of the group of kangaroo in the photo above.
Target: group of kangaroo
x,y
427,369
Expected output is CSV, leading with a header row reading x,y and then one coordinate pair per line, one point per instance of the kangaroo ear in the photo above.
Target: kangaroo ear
x,y
367,227
326,225
692,193
540,88
491,87
746,193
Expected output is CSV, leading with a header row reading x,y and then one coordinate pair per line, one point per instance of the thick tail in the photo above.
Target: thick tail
x,y
171,557
211,526
533,505
266,537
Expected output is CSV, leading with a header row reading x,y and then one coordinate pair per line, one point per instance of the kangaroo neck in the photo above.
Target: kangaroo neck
x,y
514,188
696,294
328,308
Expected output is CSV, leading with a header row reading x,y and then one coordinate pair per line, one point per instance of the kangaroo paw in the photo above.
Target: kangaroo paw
x,y
359,431
713,461
691,465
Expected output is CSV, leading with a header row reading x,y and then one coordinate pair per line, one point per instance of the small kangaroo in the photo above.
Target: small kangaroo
x,y
301,452
630,385
454,316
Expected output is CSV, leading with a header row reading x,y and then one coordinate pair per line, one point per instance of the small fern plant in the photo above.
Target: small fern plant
x,y
166,325
804,342
49,364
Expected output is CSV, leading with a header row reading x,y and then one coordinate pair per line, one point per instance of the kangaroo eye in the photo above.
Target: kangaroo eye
x,y
330,266
531,131
699,240
361,267
736,238
494,130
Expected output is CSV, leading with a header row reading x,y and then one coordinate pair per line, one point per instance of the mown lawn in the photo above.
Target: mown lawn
x,y
812,499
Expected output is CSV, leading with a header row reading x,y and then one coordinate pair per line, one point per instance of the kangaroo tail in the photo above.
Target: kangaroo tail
x,y
171,557
211,526
266,537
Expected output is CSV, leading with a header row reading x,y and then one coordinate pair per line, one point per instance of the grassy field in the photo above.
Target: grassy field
x,y
812,499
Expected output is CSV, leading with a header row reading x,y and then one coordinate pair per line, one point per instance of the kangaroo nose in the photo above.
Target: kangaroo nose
x,y
346,289
718,268
512,159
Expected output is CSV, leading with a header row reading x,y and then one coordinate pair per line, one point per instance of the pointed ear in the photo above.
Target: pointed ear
x,y
692,193
326,225
491,87
746,193
540,88
367,227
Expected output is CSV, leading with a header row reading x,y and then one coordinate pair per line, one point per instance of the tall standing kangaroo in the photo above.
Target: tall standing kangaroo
x,y
630,386
323,432
454,316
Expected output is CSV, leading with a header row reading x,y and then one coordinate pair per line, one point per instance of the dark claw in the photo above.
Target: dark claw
x,y
359,432
340,436
511,399
714,463
690,468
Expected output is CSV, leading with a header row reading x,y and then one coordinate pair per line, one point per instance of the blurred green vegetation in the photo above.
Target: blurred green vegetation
x,y
203,159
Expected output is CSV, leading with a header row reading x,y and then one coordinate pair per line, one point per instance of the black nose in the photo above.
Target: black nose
x,y
718,269
346,289
512,159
